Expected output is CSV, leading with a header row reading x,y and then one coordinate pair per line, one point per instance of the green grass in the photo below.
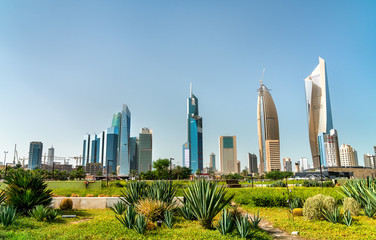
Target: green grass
x,y
102,224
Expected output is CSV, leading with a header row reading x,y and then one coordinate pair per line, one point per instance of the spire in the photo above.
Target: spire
x,y
191,89
262,76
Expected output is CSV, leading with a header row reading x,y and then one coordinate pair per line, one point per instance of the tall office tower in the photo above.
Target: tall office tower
x,y
303,163
318,108
133,153
268,131
347,156
297,167
252,163
145,147
227,154
287,164
86,150
112,148
194,136
369,160
328,149
186,155
125,127
51,155
95,149
35,155
238,167
212,162
356,158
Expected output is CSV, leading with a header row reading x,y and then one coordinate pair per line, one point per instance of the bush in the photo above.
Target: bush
x,y
39,213
51,215
118,208
8,215
2,196
297,212
75,195
314,206
225,223
278,184
153,210
26,190
90,195
66,204
315,183
352,205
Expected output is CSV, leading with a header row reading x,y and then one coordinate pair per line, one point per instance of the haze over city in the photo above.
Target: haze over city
x,y
67,67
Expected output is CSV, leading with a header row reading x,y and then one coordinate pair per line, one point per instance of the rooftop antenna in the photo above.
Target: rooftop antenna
x,y
191,89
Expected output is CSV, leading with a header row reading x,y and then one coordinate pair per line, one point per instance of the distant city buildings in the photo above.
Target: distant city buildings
x,y
145,150
287,164
297,167
227,154
51,155
268,131
35,155
347,156
238,167
369,160
303,163
252,163
328,149
319,111
193,148
212,163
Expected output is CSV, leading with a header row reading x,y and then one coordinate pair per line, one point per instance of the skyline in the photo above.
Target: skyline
x,y
65,69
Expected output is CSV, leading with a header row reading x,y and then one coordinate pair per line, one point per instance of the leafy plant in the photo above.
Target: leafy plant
x,y
153,210
243,226
26,189
186,213
129,217
162,191
140,224
39,213
225,223
169,218
8,214
51,215
278,184
333,215
206,200
347,219
295,202
314,206
119,208
369,210
133,192
2,196
352,205
362,190
66,204
256,219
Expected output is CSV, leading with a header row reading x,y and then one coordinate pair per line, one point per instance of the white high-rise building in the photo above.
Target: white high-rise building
x,y
287,164
303,163
347,156
51,155
369,160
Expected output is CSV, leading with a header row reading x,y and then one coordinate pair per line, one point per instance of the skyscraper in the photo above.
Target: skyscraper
x,y
51,155
124,163
252,163
318,108
347,156
112,148
212,162
328,149
287,164
227,154
133,153
35,155
145,148
303,163
238,167
268,131
194,122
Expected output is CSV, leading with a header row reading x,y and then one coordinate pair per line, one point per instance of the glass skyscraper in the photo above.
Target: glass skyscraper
x,y
35,155
133,153
319,111
112,148
145,147
125,127
194,122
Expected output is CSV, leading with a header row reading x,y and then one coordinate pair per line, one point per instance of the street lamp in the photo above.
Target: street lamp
x,y
5,156
171,159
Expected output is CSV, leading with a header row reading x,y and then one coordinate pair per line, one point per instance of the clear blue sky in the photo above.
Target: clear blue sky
x,y
67,66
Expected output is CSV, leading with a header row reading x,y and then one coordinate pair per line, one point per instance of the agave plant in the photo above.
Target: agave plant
x,y
39,213
186,213
129,217
119,208
133,192
169,218
162,191
362,190
206,200
369,210
153,210
243,226
51,215
225,223
26,190
8,215
140,224
347,219
333,215
256,219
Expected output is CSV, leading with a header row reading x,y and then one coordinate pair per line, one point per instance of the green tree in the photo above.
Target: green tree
x,y
277,175
161,164
245,172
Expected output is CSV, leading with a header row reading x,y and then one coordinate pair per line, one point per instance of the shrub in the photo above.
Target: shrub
x,y
333,215
169,218
352,205
103,195
39,213
153,210
243,226
225,223
90,195
278,184
129,217
206,200
66,204
8,215
75,195
51,215
362,190
369,210
347,219
235,211
118,208
297,212
314,206
140,224
2,196
256,219
26,189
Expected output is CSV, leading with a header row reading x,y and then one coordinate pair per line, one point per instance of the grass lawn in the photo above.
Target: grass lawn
x,y
362,227
102,224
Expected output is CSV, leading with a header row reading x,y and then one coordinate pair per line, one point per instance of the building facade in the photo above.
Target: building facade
x,y
51,155
297,167
369,160
303,163
112,149
328,149
195,144
268,131
212,165
252,163
145,150
227,154
124,163
35,155
319,111
347,156
287,164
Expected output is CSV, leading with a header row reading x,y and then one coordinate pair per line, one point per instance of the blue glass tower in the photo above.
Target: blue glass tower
x,y
35,155
194,122
133,153
112,146
125,127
